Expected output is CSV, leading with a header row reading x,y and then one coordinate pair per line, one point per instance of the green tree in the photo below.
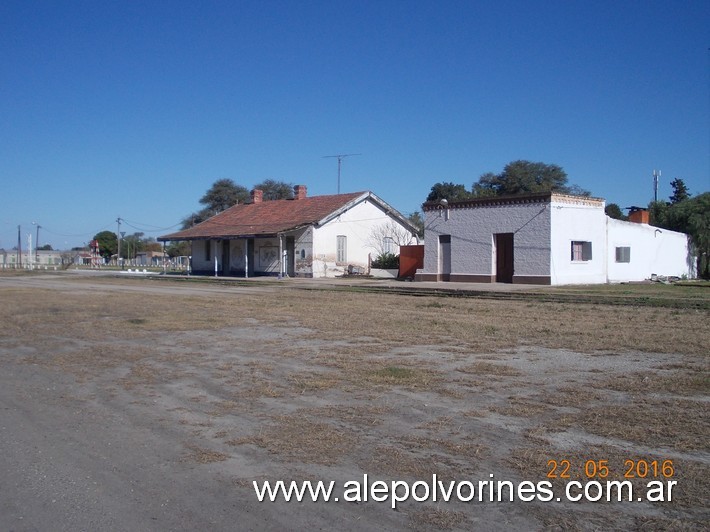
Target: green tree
x,y
449,192
699,230
179,249
196,218
108,243
612,210
46,247
691,216
680,191
275,190
223,194
658,213
525,177
417,220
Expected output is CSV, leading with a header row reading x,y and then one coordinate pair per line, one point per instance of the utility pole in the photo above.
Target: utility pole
x,y
19,245
118,236
37,243
656,177
340,158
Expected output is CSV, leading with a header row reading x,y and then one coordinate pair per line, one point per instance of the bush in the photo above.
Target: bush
x,y
386,261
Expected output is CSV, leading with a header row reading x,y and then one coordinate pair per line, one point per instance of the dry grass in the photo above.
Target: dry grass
x,y
297,438
490,369
436,518
204,456
681,382
670,423
366,394
479,325
398,461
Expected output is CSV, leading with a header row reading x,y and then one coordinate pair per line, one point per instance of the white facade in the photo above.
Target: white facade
x,y
328,248
545,239
577,219
10,259
649,250
354,227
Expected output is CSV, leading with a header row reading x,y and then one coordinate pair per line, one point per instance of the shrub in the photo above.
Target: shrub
x,y
386,261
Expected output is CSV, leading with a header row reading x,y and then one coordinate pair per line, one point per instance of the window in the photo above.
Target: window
x,y
388,245
342,248
623,254
581,251
208,250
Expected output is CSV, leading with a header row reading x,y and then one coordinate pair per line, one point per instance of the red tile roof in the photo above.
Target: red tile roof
x,y
265,218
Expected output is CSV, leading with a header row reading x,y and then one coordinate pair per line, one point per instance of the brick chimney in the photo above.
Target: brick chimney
x,y
257,196
638,215
299,192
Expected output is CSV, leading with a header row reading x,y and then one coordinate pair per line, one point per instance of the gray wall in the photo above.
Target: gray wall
x,y
472,230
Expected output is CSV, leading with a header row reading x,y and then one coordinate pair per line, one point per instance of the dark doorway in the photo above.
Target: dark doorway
x,y
250,257
444,257
225,257
290,256
504,257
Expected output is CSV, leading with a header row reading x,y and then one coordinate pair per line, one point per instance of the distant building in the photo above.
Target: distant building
x,y
319,236
38,258
546,239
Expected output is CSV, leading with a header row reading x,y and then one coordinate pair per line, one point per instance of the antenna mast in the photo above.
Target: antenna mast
x,y
656,176
340,159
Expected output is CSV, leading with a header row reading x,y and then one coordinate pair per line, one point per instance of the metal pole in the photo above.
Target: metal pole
x,y
340,158
281,256
37,244
19,246
29,250
118,235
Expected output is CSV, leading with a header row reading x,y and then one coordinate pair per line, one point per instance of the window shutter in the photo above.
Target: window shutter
x,y
587,251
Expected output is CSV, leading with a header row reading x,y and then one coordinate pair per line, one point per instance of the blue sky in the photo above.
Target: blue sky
x,y
134,109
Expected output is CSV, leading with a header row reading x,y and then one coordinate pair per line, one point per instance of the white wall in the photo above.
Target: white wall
x,y
303,250
198,255
577,219
653,250
356,224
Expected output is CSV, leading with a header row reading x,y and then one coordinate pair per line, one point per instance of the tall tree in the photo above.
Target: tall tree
x,y
417,220
223,194
196,218
177,249
275,190
525,177
108,243
449,192
691,216
680,191
613,210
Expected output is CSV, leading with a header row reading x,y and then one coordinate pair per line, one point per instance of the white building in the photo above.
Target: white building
x,y
38,259
319,236
545,239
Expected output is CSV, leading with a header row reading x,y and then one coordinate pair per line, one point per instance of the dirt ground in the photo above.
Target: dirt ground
x,y
154,405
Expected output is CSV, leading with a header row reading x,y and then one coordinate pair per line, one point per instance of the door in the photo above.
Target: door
x,y
504,257
444,257
250,257
290,256
225,257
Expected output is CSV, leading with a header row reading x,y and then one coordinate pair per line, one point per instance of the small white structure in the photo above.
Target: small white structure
x,y
319,236
38,258
546,239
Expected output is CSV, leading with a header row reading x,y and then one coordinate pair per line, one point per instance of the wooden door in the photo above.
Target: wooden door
x,y
504,257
